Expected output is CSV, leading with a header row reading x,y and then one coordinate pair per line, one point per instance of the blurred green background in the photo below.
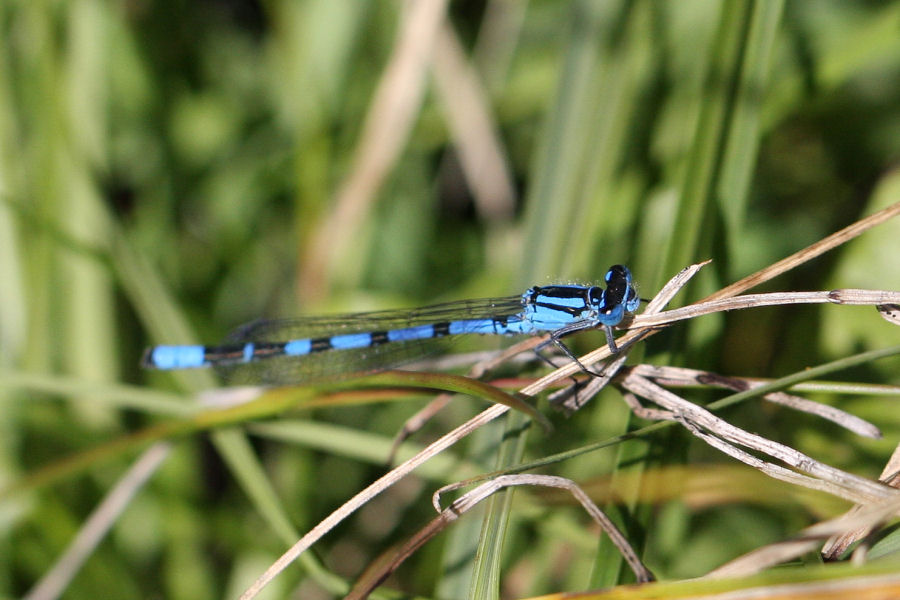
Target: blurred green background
x,y
170,170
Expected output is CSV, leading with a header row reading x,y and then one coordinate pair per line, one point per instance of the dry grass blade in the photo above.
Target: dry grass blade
x,y
890,313
387,125
677,376
56,580
477,371
725,437
837,545
576,396
813,250
361,498
469,500
847,297
474,132
808,539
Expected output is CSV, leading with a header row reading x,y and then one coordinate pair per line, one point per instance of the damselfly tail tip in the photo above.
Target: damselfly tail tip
x,y
147,361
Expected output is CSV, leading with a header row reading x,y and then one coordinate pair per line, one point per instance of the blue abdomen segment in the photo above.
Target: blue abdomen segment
x,y
411,333
175,357
298,347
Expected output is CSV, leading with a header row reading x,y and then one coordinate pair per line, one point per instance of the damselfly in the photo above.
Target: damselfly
x,y
303,349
